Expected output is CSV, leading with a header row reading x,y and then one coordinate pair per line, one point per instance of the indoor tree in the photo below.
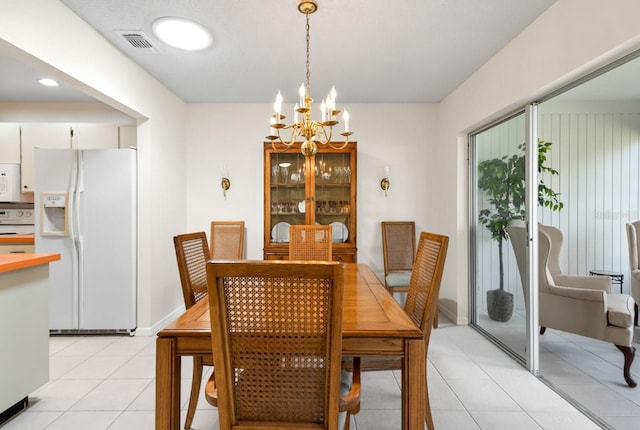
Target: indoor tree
x,y
503,181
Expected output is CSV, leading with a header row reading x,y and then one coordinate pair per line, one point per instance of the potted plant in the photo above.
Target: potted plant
x,y
503,181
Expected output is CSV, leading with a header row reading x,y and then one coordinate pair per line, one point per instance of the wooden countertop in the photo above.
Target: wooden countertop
x,y
26,239
11,262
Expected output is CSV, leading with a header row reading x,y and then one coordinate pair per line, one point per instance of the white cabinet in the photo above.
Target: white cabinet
x,y
9,143
24,317
94,136
39,136
16,248
63,135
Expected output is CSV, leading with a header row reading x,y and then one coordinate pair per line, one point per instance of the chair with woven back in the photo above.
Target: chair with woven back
x,y
421,303
276,332
310,242
227,240
398,253
192,253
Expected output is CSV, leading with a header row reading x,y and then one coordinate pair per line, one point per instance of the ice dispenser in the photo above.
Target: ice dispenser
x,y
54,214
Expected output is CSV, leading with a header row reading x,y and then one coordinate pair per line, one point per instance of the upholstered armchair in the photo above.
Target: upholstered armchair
x,y
633,230
582,305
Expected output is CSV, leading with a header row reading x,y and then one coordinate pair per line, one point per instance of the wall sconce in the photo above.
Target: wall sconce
x,y
384,183
225,183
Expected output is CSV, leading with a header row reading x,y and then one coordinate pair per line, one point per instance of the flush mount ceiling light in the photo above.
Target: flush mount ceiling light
x,y
48,82
182,33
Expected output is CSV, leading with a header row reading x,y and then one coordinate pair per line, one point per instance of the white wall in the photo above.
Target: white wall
x,y
394,135
48,36
570,39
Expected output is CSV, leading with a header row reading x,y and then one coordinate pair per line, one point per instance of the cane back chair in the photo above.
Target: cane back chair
x,y
192,253
310,242
276,330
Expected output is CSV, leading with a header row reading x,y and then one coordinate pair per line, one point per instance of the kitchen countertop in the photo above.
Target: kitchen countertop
x,y
27,239
11,262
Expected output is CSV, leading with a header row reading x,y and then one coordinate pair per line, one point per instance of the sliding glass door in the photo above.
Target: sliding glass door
x,y
500,174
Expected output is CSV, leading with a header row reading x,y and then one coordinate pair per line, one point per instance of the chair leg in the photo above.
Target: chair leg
x,y
629,353
635,319
542,330
435,318
347,423
196,380
428,419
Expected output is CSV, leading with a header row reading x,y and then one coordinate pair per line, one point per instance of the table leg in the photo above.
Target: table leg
x,y
414,385
167,385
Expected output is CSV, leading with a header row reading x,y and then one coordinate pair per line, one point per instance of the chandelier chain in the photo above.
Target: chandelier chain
x,y
308,38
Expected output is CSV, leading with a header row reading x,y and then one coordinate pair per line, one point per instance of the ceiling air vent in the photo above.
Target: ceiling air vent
x,y
138,40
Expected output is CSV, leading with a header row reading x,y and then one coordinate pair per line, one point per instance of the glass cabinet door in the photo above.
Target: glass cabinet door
x,y
333,203
287,194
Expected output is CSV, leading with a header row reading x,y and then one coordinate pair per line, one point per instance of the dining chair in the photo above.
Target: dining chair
x,y
310,242
276,333
398,252
421,303
227,240
192,253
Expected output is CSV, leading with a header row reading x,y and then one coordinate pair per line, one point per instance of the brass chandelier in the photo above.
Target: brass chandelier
x,y
314,132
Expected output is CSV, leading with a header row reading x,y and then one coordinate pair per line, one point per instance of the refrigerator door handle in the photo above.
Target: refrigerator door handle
x,y
74,231
78,238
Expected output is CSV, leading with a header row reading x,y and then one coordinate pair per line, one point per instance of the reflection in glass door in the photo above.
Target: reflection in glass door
x,y
499,296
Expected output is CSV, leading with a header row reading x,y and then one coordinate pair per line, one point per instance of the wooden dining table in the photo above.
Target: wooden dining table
x,y
374,324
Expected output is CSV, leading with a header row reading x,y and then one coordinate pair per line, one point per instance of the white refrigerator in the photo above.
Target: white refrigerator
x,y
85,205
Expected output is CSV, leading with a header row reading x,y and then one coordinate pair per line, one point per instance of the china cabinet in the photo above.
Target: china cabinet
x,y
310,190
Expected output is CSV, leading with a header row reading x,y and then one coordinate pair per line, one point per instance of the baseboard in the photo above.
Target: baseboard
x,y
452,315
151,331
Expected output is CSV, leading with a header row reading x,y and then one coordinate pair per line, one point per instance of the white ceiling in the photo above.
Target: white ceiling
x,y
373,51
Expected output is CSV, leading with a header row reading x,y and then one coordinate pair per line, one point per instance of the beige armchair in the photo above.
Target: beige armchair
x,y
581,305
633,229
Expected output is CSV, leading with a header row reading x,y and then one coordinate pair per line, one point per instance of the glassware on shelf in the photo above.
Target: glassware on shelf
x,y
284,170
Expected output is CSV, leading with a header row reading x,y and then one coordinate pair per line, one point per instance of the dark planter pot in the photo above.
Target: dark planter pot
x,y
500,305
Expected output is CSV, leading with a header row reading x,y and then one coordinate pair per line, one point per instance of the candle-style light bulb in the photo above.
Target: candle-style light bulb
x,y
333,94
301,92
277,106
345,115
323,109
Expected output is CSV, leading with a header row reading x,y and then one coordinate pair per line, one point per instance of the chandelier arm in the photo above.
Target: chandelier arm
x,y
295,131
322,130
341,146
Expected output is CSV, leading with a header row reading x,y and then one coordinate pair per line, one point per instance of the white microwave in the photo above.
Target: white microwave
x,y
10,182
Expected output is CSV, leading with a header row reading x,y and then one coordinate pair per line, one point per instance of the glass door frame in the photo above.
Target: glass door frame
x,y
531,361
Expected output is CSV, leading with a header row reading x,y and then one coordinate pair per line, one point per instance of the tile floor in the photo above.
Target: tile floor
x,y
107,382
586,370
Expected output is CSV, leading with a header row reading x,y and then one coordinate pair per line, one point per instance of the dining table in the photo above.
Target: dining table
x,y
374,324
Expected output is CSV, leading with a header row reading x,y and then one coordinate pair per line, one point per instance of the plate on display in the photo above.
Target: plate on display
x,y
339,232
301,207
280,232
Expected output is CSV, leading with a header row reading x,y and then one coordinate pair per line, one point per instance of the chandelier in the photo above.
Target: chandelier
x,y
313,131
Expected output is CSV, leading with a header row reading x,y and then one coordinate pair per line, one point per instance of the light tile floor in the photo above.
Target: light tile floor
x,y
586,370
107,382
